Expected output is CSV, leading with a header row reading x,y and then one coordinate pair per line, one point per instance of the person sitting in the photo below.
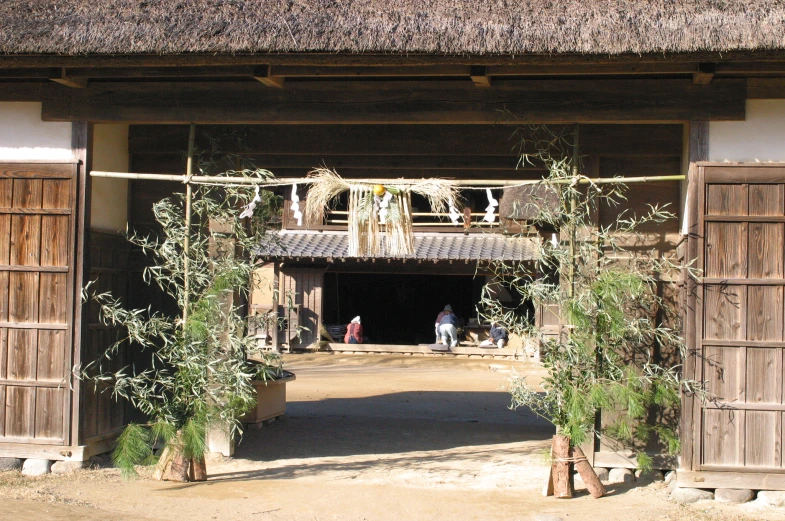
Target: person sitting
x,y
354,332
439,320
448,327
497,337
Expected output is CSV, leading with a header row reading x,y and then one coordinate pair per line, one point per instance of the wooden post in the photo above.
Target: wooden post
x,y
81,145
690,406
561,468
187,241
593,483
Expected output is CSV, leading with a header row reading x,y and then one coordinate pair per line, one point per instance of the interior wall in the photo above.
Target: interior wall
x,y
23,136
109,208
761,137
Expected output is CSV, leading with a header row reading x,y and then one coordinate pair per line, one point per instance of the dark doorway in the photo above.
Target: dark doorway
x,y
398,309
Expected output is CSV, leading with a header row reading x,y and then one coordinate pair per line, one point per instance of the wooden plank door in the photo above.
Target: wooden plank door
x,y
740,321
37,206
300,302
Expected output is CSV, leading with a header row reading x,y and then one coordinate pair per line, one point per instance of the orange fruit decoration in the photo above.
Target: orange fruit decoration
x,y
379,190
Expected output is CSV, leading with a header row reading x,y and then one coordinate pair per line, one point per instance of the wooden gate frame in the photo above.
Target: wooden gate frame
x,y
690,474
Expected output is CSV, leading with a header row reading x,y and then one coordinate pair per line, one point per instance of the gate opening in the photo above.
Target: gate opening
x,y
398,309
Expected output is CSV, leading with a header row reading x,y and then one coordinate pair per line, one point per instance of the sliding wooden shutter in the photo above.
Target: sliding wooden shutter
x,y
739,315
37,206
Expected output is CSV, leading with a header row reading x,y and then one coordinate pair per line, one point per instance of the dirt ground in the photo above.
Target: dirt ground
x,y
369,437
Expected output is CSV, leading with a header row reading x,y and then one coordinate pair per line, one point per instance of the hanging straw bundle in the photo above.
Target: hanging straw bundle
x,y
365,209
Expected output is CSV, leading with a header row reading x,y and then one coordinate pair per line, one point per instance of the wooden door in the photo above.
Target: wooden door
x,y
300,302
739,310
37,206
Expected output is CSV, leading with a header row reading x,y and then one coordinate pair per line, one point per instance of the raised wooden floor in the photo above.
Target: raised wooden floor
x,y
507,353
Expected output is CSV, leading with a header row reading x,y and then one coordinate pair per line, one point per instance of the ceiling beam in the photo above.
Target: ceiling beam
x,y
402,102
454,145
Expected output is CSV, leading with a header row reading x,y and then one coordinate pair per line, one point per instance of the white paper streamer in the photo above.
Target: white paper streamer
x,y
454,215
384,204
490,211
296,213
250,207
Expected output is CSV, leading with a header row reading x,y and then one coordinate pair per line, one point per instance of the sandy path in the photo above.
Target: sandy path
x,y
367,438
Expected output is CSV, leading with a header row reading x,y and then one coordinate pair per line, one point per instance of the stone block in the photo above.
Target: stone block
x,y
66,467
773,498
100,461
10,464
545,517
602,473
621,476
690,495
36,467
734,495
648,476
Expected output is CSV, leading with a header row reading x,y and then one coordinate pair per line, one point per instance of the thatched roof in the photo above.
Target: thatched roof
x,y
402,26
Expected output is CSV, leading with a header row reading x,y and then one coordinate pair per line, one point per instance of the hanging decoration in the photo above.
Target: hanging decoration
x,y
296,213
490,210
454,214
373,205
250,207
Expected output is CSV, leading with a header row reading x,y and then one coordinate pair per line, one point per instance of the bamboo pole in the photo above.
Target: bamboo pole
x,y
468,183
189,168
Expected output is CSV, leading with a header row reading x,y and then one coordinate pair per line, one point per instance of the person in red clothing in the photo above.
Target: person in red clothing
x,y
354,332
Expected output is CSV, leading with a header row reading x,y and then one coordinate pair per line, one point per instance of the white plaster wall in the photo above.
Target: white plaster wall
x,y
23,136
761,137
109,208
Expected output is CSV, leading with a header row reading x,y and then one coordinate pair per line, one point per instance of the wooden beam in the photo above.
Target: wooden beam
x,y
766,88
69,81
553,101
704,74
479,76
451,145
731,479
389,59
262,73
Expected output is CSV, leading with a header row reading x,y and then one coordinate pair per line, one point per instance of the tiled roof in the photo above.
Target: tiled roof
x,y
431,246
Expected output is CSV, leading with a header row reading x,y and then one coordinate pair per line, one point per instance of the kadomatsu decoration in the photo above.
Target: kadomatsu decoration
x,y
376,209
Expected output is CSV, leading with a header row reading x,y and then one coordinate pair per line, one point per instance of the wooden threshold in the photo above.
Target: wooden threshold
x,y
750,480
43,451
424,349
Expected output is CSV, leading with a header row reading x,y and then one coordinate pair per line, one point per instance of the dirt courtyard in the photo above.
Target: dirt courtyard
x,y
368,437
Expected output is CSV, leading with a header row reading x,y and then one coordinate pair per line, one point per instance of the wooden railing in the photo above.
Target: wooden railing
x,y
471,222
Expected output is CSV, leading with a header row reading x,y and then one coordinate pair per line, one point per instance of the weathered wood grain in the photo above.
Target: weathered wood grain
x,y
763,435
20,412
723,307
722,437
764,375
726,246
764,313
23,297
51,356
49,413
25,240
765,254
722,373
